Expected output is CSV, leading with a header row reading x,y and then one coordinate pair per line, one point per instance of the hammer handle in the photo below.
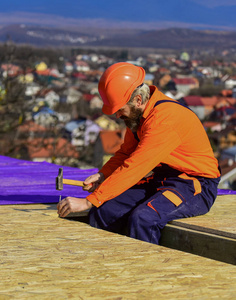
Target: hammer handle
x,y
72,182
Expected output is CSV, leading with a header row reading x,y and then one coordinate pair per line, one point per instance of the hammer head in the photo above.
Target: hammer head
x,y
59,180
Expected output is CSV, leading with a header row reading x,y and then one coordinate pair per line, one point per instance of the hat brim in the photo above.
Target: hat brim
x,y
108,110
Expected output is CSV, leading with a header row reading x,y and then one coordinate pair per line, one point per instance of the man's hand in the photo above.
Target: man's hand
x,y
72,204
92,182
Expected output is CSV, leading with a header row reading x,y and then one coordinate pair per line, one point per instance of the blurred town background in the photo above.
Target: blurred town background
x,y
50,108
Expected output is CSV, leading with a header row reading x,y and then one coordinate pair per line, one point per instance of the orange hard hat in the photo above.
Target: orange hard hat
x,y
117,84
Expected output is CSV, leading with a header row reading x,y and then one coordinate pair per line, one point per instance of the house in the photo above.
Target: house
x,y
149,79
195,63
172,91
51,73
185,56
212,126
229,153
38,143
73,95
107,123
68,67
32,89
153,68
228,139
73,124
50,149
94,57
230,83
224,113
185,84
226,93
26,78
220,109
81,66
196,105
224,139
228,173
164,80
42,66
217,108
232,120
80,76
225,102
10,70
107,143
31,128
164,71
45,116
85,133
88,97
96,103
52,99
208,72
209,104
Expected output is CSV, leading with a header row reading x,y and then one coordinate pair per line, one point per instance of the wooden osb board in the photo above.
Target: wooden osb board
x,y
212,235
45,257
221,219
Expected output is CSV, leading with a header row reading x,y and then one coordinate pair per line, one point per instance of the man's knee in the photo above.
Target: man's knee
x,y
138,216
145,224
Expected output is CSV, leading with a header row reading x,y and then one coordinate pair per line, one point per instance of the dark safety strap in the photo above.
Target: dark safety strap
x,y
176,102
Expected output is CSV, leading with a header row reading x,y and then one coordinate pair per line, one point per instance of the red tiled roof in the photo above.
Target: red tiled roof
x,y
80,75
47,72
226,93
12,70
111,140
88,97
210,124
184,81
31,126
225,101
232,101
209,101
51,147
8,67
164,70
81,63
193,101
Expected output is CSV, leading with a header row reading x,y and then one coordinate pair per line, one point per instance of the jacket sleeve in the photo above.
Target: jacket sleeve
x,y
129,145
157,140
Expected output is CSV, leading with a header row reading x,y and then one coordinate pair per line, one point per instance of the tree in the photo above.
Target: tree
x,y
12,105
15,110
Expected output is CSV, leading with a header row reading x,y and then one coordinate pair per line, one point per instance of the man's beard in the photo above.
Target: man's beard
x,y
133,121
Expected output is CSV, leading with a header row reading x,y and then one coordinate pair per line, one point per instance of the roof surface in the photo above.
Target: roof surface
x,y
27,182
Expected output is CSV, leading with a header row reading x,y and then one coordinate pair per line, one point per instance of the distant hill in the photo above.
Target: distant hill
x,y
214,14
173,38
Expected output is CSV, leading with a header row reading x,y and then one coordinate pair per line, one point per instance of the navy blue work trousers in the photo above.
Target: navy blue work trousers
x,y
148,206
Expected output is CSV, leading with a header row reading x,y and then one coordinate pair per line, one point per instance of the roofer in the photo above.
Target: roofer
x,y
163,137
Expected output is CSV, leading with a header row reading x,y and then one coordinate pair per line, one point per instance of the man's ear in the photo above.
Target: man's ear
x,y
139,100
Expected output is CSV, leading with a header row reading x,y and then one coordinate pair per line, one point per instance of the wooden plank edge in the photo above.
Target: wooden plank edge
x,y
204,229
200,243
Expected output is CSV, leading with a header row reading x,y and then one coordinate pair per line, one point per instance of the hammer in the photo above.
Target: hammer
x,y
60,180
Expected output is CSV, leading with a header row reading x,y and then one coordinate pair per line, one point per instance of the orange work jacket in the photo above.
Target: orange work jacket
x,y
169,134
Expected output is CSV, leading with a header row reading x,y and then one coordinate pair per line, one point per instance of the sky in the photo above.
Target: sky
x,y
210,14
215,3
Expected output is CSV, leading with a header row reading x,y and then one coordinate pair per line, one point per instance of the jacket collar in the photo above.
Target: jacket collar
x,y
155,96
